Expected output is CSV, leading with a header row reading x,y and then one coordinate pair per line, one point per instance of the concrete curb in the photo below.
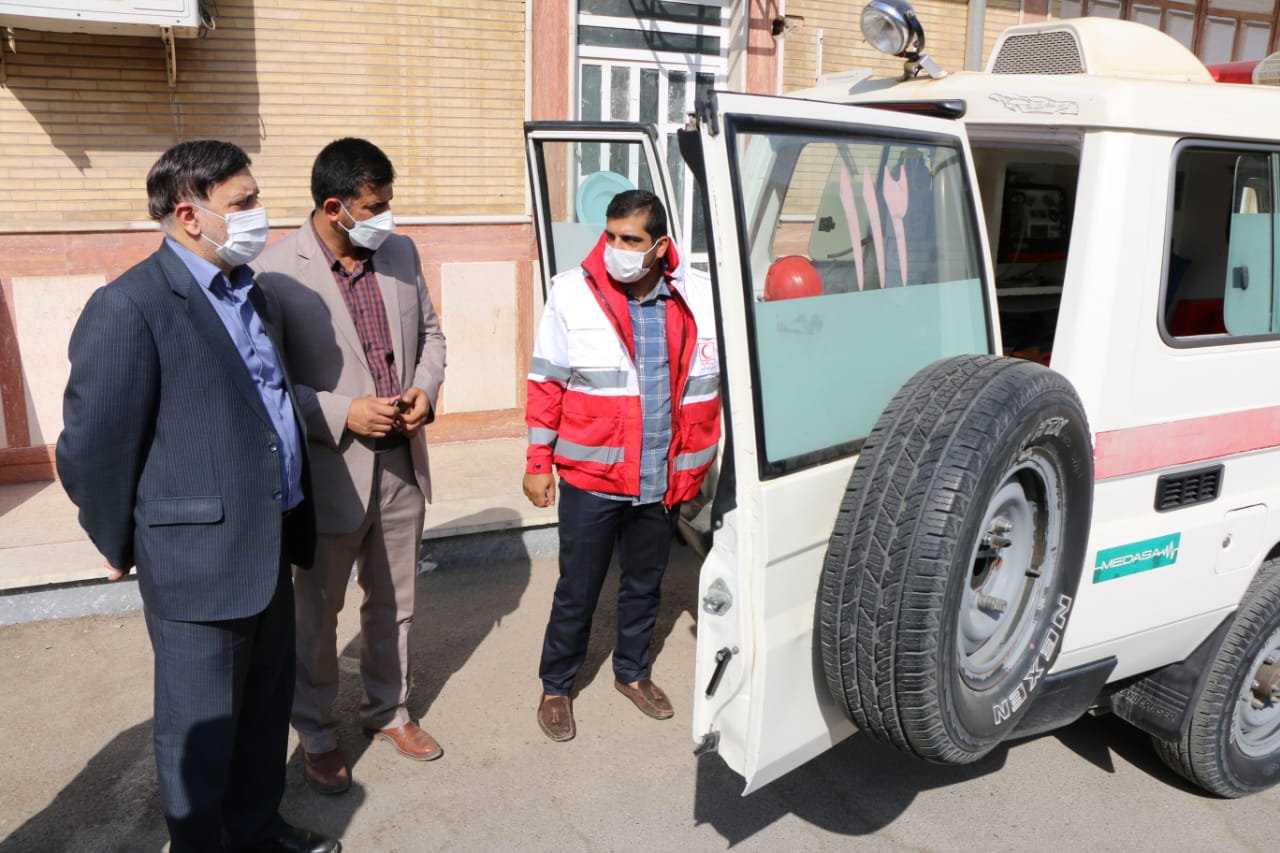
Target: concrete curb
x,y
100,597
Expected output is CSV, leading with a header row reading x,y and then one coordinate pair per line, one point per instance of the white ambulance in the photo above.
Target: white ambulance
x,y
1001,383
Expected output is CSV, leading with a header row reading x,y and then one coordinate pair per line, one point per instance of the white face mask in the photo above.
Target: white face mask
x,y
246,235
626,266
370,233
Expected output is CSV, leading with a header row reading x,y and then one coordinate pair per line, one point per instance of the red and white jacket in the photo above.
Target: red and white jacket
x,y
583,408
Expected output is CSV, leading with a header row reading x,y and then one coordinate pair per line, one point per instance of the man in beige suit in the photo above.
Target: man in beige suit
x,y
366,354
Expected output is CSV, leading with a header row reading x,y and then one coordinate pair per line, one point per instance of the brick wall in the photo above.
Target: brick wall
x,y
440,86
843,49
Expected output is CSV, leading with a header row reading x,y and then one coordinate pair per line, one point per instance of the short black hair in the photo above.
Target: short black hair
x,y
344,166
630,202
188,170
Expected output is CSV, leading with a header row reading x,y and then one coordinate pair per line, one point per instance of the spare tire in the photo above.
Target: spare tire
x,y
956,554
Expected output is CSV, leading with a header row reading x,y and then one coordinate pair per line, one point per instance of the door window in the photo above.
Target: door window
x,y
580,179
862,268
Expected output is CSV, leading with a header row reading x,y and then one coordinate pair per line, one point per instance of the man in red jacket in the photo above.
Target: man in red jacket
x,y
624,402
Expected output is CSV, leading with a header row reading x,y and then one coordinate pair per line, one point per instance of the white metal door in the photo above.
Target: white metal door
x,y
882,207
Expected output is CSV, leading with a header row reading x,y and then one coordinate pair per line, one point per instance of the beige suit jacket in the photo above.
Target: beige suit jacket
x,y
327,362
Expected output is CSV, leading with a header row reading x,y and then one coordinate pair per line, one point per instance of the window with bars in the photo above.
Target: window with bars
x,y
1228,31
648,61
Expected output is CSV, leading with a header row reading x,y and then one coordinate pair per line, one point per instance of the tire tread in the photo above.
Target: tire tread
x,y
884,580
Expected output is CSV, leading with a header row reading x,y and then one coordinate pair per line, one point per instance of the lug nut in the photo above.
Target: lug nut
x,y
990,602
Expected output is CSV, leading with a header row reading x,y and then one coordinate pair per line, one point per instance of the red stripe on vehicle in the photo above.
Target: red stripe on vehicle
x,y
1150,448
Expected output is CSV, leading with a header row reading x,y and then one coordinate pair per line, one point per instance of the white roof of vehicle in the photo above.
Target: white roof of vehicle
x,y
1087,72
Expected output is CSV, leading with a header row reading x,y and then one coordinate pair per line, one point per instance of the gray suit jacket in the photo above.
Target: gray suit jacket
x,y
328,363
169,453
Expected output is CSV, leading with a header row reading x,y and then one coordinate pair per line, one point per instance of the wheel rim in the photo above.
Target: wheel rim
x,y
1256,727
1013,562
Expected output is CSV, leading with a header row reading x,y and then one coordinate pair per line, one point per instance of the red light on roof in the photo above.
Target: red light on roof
x,y
1233,72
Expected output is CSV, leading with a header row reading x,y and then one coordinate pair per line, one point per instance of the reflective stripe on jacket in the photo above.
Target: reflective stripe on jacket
x,y
583,409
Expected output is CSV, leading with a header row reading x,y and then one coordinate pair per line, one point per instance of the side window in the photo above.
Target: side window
x,y
862,268
1221,272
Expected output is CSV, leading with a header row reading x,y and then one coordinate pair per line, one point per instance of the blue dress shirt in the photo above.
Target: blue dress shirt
x,y
230,300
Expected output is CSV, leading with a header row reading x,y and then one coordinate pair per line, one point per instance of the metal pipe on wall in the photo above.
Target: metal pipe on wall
x,y
977,25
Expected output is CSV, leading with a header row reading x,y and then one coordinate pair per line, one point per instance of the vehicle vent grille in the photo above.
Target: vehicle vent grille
x,y
1175,491
1267,72
1051,52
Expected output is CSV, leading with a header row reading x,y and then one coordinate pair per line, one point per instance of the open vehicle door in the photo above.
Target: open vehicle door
x,y
847,253
575,169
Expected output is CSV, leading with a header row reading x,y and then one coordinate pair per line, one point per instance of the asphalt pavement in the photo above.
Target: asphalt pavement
x,y
77,772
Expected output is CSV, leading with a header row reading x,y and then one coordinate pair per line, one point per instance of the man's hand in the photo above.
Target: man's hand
x,y
114,574
413,418
540,489
373,417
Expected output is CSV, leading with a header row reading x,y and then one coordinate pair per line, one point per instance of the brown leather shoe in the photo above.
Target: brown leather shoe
x,y
555,717
410,741
326,772
648,697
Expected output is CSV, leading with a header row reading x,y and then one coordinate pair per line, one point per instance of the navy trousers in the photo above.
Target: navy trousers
x,y
223,691
589,528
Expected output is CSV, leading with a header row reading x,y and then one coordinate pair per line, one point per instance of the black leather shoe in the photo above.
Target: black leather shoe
x,y
293,839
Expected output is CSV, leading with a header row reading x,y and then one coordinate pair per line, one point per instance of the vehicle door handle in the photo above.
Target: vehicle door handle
x,y
722,661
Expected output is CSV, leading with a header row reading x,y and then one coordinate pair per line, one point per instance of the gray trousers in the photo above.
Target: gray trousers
x,y
384,550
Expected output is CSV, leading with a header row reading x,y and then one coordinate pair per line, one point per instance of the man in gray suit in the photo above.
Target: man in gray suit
x,y
182,450
364,346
